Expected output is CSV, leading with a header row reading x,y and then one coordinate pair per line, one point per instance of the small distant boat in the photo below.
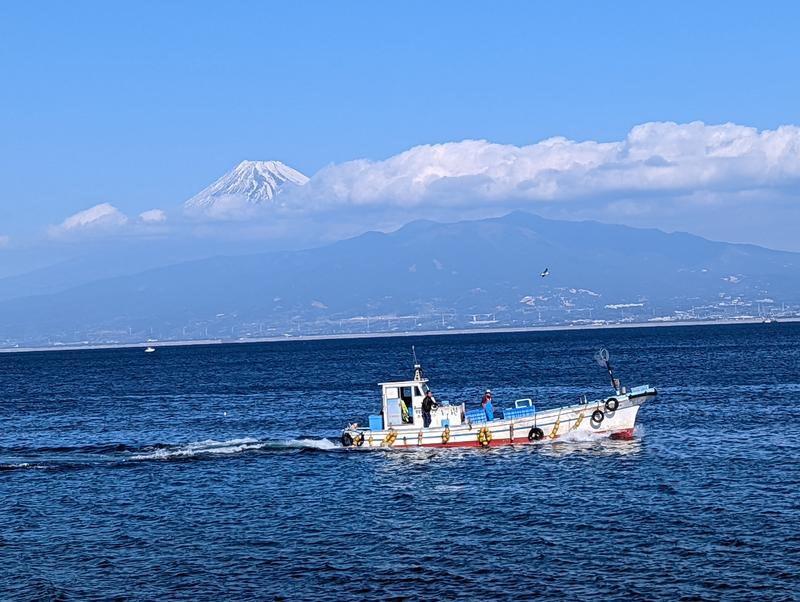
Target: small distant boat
x,y
769,321
400,423
150,350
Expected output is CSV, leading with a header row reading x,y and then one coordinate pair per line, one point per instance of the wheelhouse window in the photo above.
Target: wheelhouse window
x,y
399,406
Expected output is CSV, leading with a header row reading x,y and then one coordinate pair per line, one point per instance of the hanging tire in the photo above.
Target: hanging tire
x,y
612,403
347,440
597,416
535,434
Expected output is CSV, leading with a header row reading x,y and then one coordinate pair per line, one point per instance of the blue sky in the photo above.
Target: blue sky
x,y
141,105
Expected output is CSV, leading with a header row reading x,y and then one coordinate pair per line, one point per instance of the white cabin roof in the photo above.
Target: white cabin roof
x,y
404,383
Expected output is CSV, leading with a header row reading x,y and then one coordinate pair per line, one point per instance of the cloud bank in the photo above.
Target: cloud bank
x,y
728,182
105,219
658,160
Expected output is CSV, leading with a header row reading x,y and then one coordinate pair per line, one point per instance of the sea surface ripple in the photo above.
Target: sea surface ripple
x,y
215,472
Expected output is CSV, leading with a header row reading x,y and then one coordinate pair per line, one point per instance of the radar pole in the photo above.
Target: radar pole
x,y
417,366
603,355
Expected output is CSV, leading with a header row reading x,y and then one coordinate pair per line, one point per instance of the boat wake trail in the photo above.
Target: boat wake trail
x,y
21,466
212,448
107,455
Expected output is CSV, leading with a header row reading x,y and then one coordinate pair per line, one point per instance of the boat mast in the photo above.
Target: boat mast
x,y
417,366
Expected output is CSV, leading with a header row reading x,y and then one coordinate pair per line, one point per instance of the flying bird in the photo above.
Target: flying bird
x,y
545,273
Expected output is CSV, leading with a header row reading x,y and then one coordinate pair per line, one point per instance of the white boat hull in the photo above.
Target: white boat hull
x,y
544,426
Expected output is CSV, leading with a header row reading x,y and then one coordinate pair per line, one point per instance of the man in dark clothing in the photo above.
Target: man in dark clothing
x,y
428,404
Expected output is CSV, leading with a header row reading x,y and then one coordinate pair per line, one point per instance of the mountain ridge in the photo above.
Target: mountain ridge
x,y
427,269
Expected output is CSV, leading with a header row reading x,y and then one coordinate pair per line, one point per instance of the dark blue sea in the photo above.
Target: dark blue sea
x,y
214,473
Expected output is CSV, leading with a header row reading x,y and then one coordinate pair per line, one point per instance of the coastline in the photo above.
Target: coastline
x,y
373,335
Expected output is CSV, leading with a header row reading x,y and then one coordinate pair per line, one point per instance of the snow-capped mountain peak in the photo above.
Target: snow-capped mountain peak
x,y
254,182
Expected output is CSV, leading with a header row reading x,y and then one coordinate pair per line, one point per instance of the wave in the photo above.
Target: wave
x,y
99,448
23,466
211,447
322,444
157,450
577,437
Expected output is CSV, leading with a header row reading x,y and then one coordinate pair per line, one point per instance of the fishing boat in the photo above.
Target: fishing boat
x,y
401,421
149,349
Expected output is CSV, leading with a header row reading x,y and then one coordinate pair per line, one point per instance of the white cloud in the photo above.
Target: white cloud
x,y
100,218
664,160
727,182
229,207
105,219
153,216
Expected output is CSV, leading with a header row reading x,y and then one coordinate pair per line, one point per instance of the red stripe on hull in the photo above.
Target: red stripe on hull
x,y
625,435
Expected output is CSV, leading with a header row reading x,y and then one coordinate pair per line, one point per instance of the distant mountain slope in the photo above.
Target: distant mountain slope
x,y
487,266
252,182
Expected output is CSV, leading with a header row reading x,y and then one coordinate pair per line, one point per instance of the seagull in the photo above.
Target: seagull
x,y
545,273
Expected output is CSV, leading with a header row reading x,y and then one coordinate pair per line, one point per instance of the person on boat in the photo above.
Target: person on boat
x,y
486,404
428,403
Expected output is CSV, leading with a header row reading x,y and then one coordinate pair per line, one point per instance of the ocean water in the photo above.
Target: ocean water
x,y
215,472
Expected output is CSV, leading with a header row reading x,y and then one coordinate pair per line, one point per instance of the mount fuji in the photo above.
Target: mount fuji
x,y
249,183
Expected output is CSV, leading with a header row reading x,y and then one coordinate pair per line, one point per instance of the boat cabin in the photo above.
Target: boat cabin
x,y
402,406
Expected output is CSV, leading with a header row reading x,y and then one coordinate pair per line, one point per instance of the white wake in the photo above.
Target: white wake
x,y
210,447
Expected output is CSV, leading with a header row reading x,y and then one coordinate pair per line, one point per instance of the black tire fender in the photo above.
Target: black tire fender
x,y
347,439
612,403
535,434
597,416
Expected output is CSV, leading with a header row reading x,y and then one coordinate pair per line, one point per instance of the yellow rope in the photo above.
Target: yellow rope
x,y
554,432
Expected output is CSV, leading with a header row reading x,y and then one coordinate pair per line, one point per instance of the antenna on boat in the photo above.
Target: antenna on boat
x,y
602,358
417,366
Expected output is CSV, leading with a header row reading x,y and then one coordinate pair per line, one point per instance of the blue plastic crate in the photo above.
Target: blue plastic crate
x,y
515,413
475,416
375,423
